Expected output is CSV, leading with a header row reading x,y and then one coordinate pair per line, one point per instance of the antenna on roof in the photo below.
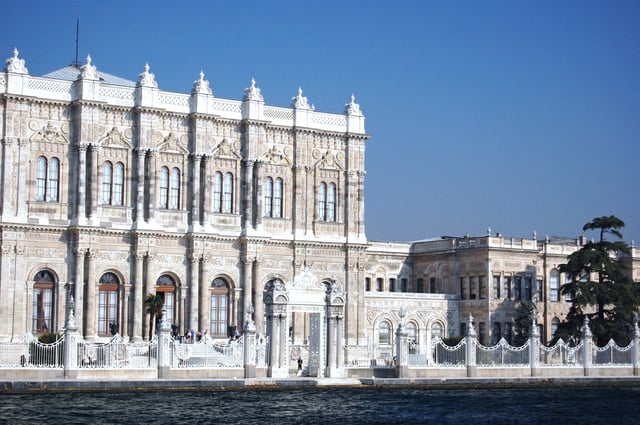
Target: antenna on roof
x,y
77,36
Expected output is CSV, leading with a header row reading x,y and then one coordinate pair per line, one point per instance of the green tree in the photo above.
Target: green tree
x,y
154,304
522,323
600,287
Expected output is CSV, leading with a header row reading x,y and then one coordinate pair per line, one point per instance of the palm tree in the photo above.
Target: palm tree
x,y
154,304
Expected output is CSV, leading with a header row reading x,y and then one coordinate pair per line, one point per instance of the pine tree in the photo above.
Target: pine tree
x,y
600,287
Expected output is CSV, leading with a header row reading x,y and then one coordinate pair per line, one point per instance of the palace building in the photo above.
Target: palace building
x,y
114,190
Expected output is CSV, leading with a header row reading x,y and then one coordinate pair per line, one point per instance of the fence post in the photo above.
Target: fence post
x,y
164,346
470,348
249,345
534,344
401,347
587,342
71,338
635,349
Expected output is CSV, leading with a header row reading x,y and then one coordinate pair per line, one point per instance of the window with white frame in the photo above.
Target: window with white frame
x,y
47,179
169,188
112,183
554,286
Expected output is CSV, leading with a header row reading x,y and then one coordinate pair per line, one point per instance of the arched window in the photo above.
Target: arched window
x,y
331,202
554,286
436,331
166,288
42,314
47,179
268,197
384,333
227,200
163,188
277,198
219,309
322,201
217,192
174,189
108,304
112,183
412,337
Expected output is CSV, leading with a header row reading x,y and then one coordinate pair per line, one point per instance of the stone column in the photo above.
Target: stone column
x,y
259,201
282,355
361,227
339,342
248,195
470,348
273,341
164,348
310,199
79,295
91,317
257,297
206,190
148,286
71,339
331,349
534,345
402,353
587,343
249,337
93,183
203,299
195,190
247,287
8,183
151,205
82,190
21,184
195,297
140,156
138,302
124,327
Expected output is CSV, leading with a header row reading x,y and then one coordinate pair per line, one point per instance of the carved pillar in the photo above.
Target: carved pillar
x,y
148,286
140,156
124,322
470,348
22,179
93,183
248,195
361,175
137,298
8,184
273,339
310,200
331,350
195,199
203,319
206,190
259,194
182,305
195,294
257,296
298,201
152,173
79,295
247,287
339,344
82,189
91,317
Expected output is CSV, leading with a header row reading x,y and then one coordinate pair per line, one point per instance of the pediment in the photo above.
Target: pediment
x,y
172,143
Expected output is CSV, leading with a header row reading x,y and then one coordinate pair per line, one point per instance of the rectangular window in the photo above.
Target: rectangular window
x,y
496,287
554,286
473,287
568,280
420,285
169,305
517,279
404,285
432,285
367,284
507,287
379,284
392,285
482,333
527,288
483,287
218,314
463,288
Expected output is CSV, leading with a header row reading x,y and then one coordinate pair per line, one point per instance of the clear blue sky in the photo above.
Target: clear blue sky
x,y
514,115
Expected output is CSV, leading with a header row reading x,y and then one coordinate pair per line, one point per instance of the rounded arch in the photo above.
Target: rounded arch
x,y
109,284
166,286
44,301
219,306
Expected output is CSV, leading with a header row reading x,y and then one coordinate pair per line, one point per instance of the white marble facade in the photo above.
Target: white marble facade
x,y
113,189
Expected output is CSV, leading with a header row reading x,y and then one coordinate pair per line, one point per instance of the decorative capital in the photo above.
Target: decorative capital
x,y
15,64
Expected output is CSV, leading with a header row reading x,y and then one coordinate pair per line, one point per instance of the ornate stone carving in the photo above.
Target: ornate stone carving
x,y
88,71
201,86
253,93
300,101
49,133
15,64
352,108
147,79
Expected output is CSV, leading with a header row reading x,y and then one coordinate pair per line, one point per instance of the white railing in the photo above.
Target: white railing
x,y
446,356
612,355
118,354
502,354
31,353
207,354
560,354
